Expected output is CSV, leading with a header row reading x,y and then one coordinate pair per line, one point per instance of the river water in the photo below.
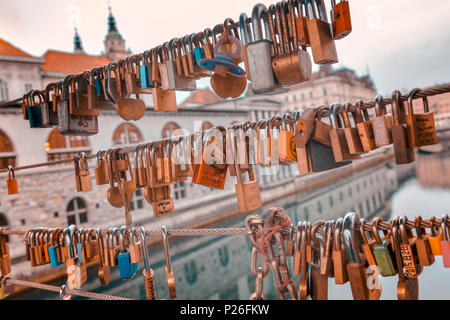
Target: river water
x,y
219,268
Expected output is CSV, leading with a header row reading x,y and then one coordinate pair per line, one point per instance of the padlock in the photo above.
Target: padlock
x,y
95,91
133,73
135,247
404,151
195,71
5,260
290,67
34,111
445,243
147,272
139,175
245,39
259,54
287,149
113,248
128,108
76,274
340,19
127,269
421,126
364,126
49,115
383,252
373,274
337,135
435,239
271,147
426,257
78,96
104,273
351,133
321,154
11,182
181,166
145,70
70,124
339,255
163,100
355,269
319,30
82,174
411,265
382,124
228,79
171,80
247,193
301,23
53,248
101,171
303,132
212,170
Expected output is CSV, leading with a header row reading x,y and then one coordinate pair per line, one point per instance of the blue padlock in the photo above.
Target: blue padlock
x,y
53,249
79,245
127,269
99,88
199,54
35,116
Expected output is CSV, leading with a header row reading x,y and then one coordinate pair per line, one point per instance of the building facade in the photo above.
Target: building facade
x,y
327,86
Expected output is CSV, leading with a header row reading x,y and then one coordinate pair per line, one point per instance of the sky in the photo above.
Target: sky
x,y
403,43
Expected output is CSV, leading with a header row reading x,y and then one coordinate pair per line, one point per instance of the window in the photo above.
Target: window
x,y
28,87
331,201
368,206
208,125
364,184
3,91
350,192
126,134
77,211
7,154
295,98
303,97
319,207
341,196
306,213
374,202
179,190
169,128
60,147
138,200
311,95
324,91
361,209
357,187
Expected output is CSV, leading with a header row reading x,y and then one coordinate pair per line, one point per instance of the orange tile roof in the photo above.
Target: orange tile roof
x,y
7,49
201,97
67,62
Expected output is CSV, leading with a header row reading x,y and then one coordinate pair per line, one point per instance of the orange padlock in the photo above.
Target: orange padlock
x,y
341,20
12,181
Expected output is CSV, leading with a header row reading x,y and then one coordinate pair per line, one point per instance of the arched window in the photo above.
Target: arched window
x,y
60,147
126,133
206,125
77,212
169,129
7,154
3,91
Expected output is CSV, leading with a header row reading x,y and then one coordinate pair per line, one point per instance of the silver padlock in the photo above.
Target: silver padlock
x,y
259,53
71,124
174,81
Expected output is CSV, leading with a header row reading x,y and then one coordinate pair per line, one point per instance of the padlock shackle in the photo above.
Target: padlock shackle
x,y
351,242
246,37
411,97
380,106
398,108
259,12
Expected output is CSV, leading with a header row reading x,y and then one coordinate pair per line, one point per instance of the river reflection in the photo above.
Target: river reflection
x,y
219,268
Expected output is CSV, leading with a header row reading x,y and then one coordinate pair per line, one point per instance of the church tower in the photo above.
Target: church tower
x,y
77,46
114,43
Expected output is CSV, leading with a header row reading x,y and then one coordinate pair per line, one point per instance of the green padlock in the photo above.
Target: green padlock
x,y
34,111
382,252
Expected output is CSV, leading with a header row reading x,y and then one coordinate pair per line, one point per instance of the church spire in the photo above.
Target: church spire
x,y
114,43
111,22
77,46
